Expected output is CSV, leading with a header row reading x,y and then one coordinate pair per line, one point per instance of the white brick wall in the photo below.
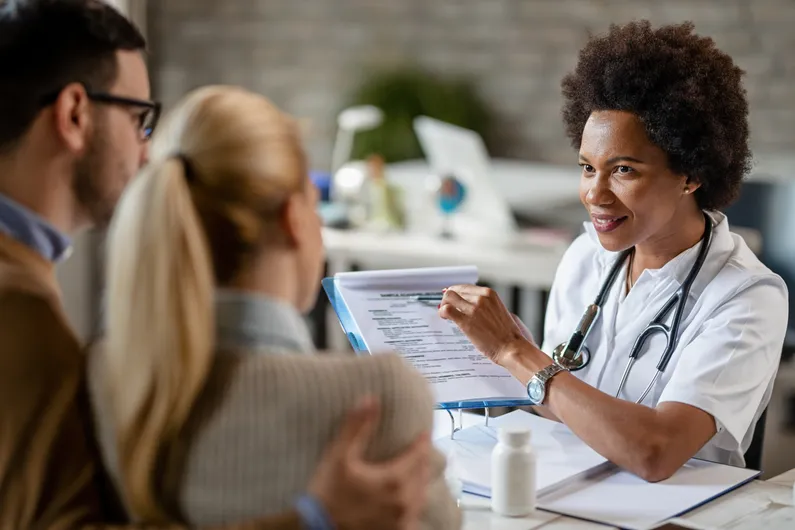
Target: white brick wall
x,y
308,54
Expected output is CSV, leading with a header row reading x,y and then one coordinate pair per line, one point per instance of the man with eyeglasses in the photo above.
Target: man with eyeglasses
x,y
75,118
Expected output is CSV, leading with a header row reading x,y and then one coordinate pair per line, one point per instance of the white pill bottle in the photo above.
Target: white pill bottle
x,y
513,473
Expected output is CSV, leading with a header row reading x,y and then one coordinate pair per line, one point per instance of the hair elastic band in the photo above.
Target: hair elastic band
x,y
190,173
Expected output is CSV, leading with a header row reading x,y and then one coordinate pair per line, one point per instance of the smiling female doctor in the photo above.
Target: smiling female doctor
x,y
659,117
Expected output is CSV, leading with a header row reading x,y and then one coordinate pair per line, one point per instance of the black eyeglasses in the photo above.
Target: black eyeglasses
x,y
147,120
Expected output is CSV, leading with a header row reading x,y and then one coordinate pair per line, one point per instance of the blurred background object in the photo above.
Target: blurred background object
x,y
451,193
405,94
349,122
314,57
385,201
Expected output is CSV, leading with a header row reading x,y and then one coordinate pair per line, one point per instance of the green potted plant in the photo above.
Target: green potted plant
x,y
404,94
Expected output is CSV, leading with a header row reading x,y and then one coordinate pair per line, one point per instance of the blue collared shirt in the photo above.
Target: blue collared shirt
x,y
28,228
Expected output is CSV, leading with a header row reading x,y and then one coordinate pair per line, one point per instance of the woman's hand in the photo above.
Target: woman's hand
x,y
359,494
484,319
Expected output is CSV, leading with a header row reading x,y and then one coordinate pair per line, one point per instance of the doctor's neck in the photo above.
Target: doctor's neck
x,y
683,232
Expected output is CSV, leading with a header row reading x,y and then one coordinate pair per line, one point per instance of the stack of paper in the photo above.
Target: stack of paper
x,y
397,311
561,457
622,499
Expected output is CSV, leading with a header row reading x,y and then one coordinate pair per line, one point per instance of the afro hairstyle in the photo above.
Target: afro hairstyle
x,y
686,92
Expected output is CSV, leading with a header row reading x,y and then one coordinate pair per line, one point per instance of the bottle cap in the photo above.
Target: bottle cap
x,y
514,436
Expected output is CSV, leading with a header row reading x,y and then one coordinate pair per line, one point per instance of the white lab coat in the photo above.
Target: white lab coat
x,y
730,341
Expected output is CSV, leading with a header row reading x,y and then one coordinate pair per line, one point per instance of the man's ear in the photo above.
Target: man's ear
x,y
72,117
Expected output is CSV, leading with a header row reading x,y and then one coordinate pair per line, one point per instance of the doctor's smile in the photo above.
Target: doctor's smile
x,y
606,223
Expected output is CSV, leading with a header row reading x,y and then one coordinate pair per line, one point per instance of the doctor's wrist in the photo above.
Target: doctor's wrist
x,y
523,359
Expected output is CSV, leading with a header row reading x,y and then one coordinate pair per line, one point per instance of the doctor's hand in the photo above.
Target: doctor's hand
x,y
484,319
361,495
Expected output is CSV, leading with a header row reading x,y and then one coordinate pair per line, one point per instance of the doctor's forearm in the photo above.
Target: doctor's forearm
x,y
627,434
637,438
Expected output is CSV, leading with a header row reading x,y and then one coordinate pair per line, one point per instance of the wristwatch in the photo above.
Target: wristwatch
x,y
537,386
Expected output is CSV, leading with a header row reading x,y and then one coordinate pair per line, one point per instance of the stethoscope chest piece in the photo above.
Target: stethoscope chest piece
x,y
571,364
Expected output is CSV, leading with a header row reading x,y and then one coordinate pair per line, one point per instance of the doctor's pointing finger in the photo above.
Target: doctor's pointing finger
x,y
663,331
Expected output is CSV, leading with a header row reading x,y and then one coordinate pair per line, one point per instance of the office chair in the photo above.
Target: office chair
x,y
753,456
768,206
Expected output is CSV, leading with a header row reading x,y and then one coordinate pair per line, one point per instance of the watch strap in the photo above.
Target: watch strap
x,y
549,372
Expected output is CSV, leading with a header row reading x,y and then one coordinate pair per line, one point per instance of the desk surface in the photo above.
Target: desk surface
x,y
784,479
529,265
751,498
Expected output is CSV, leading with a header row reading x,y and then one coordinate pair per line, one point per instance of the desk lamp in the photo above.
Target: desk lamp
x,y
347,181
349,122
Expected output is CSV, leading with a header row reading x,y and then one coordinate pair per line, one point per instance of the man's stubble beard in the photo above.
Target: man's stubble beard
x,y
92,185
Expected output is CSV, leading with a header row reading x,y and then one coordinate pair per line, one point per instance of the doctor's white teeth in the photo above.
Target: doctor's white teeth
x,y
605,220
607,224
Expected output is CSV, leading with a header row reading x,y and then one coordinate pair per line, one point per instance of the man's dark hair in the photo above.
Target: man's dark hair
x,y
687,93
48,44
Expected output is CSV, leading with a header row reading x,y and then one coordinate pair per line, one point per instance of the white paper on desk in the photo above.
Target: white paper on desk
x,y
773,516
759,500
383,305
561,457
622,499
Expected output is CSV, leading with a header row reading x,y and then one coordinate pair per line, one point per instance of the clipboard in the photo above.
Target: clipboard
x,y
354,336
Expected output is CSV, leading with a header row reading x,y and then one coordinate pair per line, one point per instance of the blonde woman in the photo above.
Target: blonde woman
x,y
209,403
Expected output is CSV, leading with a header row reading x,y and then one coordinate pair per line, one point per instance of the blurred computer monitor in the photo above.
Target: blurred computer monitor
x,y
453,150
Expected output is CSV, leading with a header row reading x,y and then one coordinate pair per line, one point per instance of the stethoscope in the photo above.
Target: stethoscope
x,y
573,355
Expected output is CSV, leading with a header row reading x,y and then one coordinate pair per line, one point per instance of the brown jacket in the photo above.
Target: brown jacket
x,y
47,469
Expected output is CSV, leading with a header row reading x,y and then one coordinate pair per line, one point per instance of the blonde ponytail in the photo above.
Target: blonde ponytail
x,y
172,240
160,326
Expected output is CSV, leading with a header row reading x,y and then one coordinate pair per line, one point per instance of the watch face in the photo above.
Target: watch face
x,y
535,391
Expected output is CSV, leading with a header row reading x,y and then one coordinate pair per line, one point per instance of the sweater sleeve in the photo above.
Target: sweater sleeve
x,y
407,412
